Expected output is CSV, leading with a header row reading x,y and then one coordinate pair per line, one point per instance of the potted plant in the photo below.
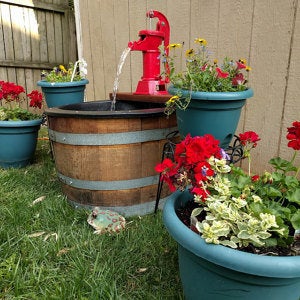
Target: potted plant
x,y
205,91
62,86
241,239
18,126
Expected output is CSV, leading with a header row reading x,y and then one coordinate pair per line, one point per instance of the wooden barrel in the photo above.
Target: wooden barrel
x,y
106,158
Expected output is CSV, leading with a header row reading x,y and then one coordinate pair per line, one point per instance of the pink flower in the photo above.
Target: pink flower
x,y
238,79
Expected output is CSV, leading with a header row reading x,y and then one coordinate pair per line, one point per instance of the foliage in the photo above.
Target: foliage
x,y
237,208
73,72
12,96
201,74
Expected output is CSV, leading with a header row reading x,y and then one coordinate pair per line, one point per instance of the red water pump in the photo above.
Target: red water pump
x,y
151,82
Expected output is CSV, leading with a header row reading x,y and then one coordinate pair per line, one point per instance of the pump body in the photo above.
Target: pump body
x,y
151,82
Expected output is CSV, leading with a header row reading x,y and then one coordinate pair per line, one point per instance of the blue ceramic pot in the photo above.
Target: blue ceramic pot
x,y
216,113
18,141
215,272
63,93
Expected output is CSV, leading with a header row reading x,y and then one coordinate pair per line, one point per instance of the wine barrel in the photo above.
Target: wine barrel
x,y
106,158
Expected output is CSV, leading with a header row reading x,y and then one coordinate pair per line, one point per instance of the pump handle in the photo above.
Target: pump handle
x,y
163,26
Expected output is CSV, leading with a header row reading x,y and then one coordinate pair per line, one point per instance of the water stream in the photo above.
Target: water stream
x,y
117,79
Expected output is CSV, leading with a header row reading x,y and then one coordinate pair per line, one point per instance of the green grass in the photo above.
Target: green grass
x,y
69,261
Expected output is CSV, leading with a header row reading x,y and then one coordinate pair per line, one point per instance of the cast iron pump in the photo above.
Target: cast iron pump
x,y
151,82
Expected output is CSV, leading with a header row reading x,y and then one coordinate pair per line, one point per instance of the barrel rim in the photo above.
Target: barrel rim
x,y
65,111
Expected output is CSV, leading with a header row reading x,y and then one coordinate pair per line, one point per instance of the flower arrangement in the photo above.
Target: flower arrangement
x,y
12,95
73,72
201,74
236,208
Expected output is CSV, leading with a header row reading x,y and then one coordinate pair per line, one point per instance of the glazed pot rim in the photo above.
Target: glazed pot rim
x,y
269,266
20,123
213,96
44,83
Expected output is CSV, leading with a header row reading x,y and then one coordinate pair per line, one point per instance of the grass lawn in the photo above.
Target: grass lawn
x,y
49,251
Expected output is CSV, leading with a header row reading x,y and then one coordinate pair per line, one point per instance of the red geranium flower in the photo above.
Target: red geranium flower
x,y
255,178
36,99
200,192
249,137
294,136
10,91
202,171
167,170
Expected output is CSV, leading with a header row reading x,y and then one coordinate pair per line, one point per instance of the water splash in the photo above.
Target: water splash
x,y
117,79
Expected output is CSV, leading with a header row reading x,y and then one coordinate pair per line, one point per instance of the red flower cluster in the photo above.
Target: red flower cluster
x,y
10,91
36,99
191,167
294,136
249,137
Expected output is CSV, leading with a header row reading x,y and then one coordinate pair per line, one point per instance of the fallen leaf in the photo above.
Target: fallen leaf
x,y
63,251
37,200
142,270
51,234
36,234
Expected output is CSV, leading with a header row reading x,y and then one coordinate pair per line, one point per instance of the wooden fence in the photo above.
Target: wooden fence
x,y
35,36
265,32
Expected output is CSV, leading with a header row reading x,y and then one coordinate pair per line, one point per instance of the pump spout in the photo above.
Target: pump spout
x,y
149,42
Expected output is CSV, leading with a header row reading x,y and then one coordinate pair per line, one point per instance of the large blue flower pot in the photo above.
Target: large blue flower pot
x,y
215,272
216,113
18,141
63,93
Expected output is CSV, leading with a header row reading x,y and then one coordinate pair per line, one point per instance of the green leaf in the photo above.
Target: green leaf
x,y
273,192
228,243
197,211
270,242
244,235
295,220
281,164
291,181
294,196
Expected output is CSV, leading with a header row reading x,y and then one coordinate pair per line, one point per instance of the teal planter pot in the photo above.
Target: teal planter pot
x,y
216,113
63,93
215,272
18,141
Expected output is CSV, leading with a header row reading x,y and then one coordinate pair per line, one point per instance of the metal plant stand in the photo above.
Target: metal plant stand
x,y
235,154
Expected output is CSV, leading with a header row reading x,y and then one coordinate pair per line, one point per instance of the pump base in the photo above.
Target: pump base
x,y
151,87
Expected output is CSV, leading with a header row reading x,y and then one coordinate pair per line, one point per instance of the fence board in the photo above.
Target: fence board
x,y
35,35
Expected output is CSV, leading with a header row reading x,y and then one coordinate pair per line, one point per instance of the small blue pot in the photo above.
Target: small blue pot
x,y
63,93
18,141
216,113
215,272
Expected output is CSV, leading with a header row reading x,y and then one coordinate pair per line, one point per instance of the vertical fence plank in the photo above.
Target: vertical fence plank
x,y
291,111
122,37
